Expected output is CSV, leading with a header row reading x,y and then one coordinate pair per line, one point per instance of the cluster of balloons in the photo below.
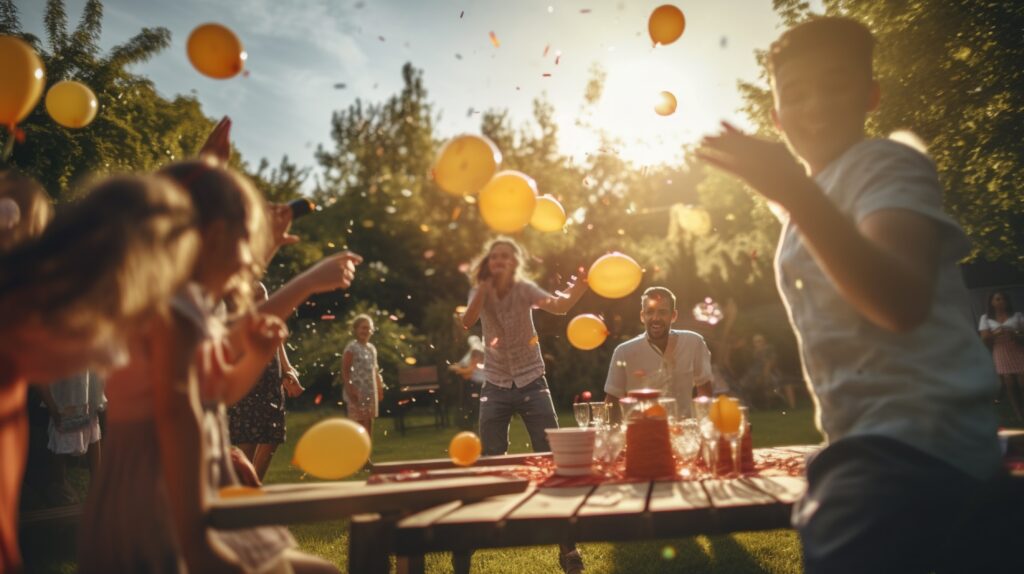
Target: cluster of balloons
x,y
333,449
613,275
508,200
70,104
666,25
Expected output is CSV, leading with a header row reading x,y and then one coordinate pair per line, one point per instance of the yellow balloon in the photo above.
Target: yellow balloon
x,y
548,215
586,332
725,414
333,449
666,105
71,104
465,164
239,491
614,275
465,448
507,201
666,24
22,78
216,51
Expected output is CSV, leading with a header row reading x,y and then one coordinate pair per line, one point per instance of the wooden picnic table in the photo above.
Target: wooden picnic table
x,y
550,515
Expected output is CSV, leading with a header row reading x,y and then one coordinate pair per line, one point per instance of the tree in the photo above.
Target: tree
x,y
135,129
950,71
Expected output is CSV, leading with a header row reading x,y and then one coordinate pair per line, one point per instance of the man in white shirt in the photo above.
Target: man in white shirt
x,y
663,358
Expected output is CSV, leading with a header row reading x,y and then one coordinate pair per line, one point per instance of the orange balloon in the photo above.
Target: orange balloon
x,y
666,105
666,24
216,51
71,104
548,215
22,78
614,275
239,491
586,332
465,164
507,201
465,448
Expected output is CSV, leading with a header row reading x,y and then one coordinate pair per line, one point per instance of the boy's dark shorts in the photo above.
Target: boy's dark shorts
x,y
877,505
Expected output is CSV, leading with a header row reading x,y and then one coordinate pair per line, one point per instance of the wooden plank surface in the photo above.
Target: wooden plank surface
x,y
615,511
437,463
679,509
472,525
547,517
741,505
317,504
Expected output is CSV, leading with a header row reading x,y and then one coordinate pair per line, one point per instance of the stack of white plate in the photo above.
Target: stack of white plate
x,y
573,450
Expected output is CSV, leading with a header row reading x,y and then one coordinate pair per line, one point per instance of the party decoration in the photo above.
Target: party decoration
x,y
707,311
614,275
22,78
548,215
507,201
586,332
465,164
465,448
333,449
71,104
666,104
216,51
725,414
666,24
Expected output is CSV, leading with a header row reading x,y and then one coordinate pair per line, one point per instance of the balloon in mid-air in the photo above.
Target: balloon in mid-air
x,y
22,78
586,332
71,104
466,163
216,51
548,215
666,24
465,448
507,201
614,275
666,104
333,449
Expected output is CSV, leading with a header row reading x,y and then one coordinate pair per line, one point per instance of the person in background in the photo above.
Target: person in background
x,y
75,404
673,361
1002,329
362,383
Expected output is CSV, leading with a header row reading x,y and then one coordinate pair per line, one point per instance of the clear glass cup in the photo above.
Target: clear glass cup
x,y
686,440
735,439
671,407
608,444
710,435
599,414
582,413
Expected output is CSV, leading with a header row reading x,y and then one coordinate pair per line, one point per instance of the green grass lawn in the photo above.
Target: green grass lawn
x,y
774,551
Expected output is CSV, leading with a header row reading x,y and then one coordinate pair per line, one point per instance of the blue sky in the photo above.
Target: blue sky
x,y
299,49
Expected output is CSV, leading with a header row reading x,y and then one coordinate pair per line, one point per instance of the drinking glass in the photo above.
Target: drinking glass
x,y
701,407
686,440
582,413
608,444
710,434
599,414
671,408
735,439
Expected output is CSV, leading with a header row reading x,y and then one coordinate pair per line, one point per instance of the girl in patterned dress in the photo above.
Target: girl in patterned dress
x,y
362,385
1003,330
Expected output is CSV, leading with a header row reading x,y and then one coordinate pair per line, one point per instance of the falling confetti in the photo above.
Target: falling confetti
x,y
707,311
318,399
381,38
340,86
410,361
494,40
546,75
461,14
799,283
546,48
558,58
668,553
534,341
326,317
584,10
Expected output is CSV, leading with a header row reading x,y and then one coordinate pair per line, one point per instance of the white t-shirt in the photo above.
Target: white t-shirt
x,y
931,388
639,364
1014,322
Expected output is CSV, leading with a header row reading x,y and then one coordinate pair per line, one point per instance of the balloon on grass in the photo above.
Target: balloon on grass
x,y
614,275
216,51
22,78
548,214
333,449
465,164
465,448
507,201
586,332
71,104
666,24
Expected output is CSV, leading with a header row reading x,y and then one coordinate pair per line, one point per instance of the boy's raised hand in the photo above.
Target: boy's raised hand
x,y
766,166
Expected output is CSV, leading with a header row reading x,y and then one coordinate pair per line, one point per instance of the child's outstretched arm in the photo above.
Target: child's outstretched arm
x,y
179,437
332,272
885,266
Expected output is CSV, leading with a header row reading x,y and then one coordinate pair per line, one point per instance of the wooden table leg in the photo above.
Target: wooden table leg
x,y
461,561
368,547
411,564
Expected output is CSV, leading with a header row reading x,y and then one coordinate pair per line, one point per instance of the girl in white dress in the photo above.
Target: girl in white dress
x,y
363,386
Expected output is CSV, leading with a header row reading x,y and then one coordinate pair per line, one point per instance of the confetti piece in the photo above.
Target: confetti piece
x,y
461,14
326,317
494,40
546,75
534,341
494,342
410,360
558,58
546,48
393,317
456,212
318,399
584,10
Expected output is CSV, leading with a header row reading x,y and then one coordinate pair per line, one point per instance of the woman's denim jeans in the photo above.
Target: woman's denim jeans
x,y
531,402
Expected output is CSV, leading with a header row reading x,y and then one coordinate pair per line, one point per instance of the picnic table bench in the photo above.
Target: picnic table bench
x,y
607,512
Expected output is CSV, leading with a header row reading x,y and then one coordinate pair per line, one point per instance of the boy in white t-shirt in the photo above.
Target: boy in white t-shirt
x,y
867,268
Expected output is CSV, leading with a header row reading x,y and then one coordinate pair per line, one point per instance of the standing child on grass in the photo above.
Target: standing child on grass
x,y
362,384
867,268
